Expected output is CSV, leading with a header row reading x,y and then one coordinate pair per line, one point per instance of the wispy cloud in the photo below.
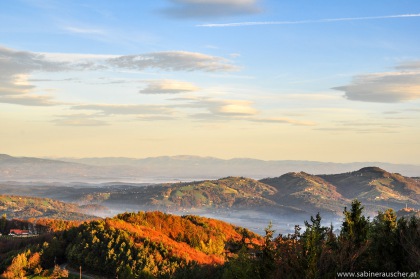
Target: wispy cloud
x,y
282,120
363,127
168,87
218,107
124,109
325,20
29,100
80,119
86,31
16,67
219,110
155,118
174,61
186,9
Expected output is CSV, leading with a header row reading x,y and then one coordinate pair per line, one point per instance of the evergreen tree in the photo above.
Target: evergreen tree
x,y
408,239
355,226
313,239
243,266
353,244
3,223
268,252
383,237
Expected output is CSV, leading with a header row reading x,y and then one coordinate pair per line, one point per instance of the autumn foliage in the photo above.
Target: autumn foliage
x,y
151,243
159,245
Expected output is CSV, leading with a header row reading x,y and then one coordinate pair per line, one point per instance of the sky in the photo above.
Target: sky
x,y
335,81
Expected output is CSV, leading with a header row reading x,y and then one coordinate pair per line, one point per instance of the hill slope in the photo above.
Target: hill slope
x,y
285,196
29,207
373,184
152,244
291,193
305,191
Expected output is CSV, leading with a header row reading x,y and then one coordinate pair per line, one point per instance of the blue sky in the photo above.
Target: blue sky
x,y
306,80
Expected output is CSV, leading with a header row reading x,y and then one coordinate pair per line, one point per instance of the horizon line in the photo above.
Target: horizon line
x,y
61,158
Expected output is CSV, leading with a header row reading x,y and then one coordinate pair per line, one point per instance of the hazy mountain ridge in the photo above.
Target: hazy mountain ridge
x,y
211,167
282,194
170,168
291,193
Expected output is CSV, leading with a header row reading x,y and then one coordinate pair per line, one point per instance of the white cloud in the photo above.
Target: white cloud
x,y
155,117
124,109
168,87
210,8
232,110
79,120
13,62
29,100
173,61
391,87
85,31
409,65
363,126
16,64
15,67
217,107
236,108
282,120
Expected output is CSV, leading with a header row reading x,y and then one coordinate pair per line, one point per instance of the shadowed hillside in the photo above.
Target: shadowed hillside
x,y
292,195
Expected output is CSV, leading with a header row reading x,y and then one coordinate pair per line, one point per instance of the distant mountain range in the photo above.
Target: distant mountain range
x,y
175,168
294,193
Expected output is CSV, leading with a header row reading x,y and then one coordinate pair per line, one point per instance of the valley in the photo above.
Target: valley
x,y
285,200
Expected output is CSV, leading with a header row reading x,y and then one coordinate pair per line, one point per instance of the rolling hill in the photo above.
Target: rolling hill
x,y
286,195
307,192
20,207
130,245
373,184
292,194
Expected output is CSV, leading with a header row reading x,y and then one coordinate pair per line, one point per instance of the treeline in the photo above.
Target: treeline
x,y
33,255
133,245
36,226
384,244
158,245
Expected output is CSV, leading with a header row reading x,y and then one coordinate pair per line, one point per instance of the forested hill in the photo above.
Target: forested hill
x,y
137,245
158,245
21,207
292,193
